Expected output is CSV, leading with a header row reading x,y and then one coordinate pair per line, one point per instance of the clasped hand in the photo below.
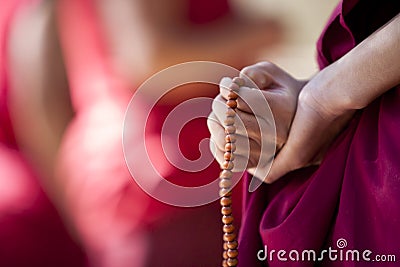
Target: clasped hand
x,y
298,134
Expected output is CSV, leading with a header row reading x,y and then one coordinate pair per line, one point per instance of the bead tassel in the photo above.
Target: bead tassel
x,y
230,252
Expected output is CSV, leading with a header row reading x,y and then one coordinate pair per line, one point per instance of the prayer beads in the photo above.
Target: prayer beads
x,y
230,252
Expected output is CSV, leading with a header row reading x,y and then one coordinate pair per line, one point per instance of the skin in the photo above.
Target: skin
x,y
281,91
325,104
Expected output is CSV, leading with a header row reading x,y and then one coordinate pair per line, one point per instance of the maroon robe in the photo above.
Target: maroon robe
x,y
31,230
118,223
353,197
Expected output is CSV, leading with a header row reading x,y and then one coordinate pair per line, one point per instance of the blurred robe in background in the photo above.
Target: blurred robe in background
x,y
31,230
118,223
82,169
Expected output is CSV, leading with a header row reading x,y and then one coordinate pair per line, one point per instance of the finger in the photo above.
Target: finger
x,y
249,97
216,130
247,150
220,108
244,147
250,100
257,75
268,75
256,128
225,83
219,112
240,163
257,117
241,151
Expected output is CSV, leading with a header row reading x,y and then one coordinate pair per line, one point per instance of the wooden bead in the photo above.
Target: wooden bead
x,y
239,81
226,211
228,228
232,245
230,138
229,237
229,156
232,262
230,147
232,95
225,183
230,112
230,129
231,103
229,121
225,246
227,174
232,253
227,219
227,165
233,87
224,192
225,201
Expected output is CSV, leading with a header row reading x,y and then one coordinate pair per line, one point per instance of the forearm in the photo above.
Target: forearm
x,y
39,101
327,103
363,74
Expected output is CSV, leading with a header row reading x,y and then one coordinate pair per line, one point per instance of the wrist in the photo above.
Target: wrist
x,y
360,76
330,92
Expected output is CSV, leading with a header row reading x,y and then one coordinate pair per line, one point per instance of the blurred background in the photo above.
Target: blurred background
x,y
303,22
68,69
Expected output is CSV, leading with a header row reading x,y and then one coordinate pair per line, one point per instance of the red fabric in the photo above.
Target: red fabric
x,y
355,193
204,11
105,204
7,10
118,223
31,231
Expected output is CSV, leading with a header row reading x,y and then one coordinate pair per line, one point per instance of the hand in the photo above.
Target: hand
x,y
256,138
314,129
328,102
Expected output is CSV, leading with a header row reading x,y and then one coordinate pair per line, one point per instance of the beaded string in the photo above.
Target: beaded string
x,y
230,246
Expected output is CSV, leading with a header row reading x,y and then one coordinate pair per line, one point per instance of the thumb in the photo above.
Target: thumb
x,y
256,76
